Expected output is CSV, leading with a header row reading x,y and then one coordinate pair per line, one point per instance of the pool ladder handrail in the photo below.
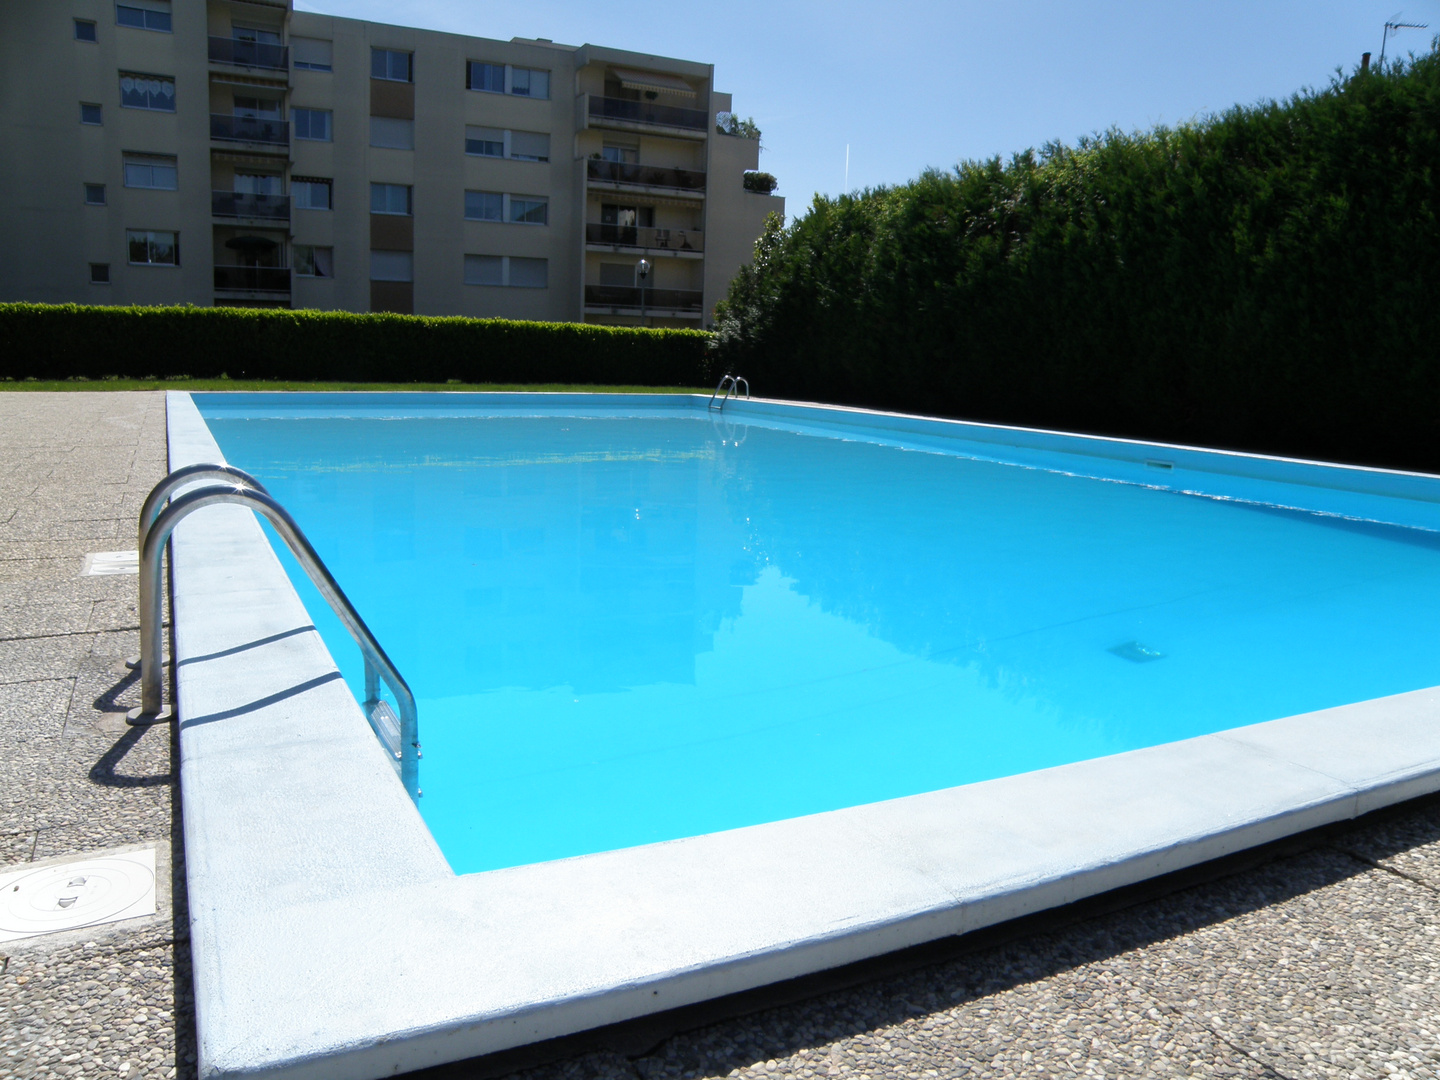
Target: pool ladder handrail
x,y
730,384
401,738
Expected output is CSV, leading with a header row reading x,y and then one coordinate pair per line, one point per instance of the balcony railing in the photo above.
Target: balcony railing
x,y
258,54
618,172
274,279
249,129
628,296
641,236
242,205
645,112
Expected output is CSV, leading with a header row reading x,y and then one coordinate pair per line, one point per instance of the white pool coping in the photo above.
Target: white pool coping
x,y
331,939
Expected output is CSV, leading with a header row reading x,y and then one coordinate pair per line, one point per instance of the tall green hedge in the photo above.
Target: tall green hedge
x,y
1267,279
46,341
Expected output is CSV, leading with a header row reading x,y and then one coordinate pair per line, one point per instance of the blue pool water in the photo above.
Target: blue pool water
x,y
626,629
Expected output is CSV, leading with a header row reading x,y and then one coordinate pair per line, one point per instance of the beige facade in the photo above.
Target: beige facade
x,y
240,152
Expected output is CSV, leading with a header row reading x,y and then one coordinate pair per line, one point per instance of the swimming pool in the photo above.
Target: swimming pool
x,y
630,625
308,865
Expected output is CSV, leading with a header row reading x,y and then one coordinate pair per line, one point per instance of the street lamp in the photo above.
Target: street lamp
x,y
642,271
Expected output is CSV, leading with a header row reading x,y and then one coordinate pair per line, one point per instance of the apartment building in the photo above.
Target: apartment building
x,y
238,152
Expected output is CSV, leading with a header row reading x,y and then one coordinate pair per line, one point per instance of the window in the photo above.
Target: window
x,y
528,273
390,199
486,142
147,92
508,270
530,82
529,146
89,114
311,194
395,134
625,155
144,14
311,54
529,210
490,77
255,34
259,184
151,171
256,108
503,79
149,248
392,65
518,209
313,261
312,124
94,194
484,206
99,273
392,266
84,30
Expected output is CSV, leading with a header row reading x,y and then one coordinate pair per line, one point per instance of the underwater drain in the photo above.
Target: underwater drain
x,y
69,895
1134,651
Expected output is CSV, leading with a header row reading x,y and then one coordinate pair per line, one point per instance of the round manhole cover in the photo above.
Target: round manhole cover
x,y
77,894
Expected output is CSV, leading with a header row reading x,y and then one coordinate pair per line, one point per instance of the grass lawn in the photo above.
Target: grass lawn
x,y
262,384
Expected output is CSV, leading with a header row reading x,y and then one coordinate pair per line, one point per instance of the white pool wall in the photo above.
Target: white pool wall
x,y
330,938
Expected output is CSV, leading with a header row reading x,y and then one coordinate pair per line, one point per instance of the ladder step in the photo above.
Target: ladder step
x,y
387,726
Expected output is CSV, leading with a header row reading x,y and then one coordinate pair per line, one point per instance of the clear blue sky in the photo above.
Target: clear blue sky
x,y
930,83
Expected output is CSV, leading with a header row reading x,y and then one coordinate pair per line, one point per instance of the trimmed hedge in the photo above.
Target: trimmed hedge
x,y
1268,279
45,341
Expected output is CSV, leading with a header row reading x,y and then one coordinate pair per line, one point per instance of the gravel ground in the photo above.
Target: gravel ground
x,y
1322,963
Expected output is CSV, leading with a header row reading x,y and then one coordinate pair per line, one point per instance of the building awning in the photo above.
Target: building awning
x,y
249,159
672,85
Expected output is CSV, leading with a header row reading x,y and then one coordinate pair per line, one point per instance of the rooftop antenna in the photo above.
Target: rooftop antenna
x,y
847,169
1391,28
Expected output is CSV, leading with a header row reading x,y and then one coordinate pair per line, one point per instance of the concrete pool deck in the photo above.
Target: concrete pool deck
x,y
1213,978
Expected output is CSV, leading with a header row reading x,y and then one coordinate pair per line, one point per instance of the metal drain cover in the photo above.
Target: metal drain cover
x,y
1136,653
82,893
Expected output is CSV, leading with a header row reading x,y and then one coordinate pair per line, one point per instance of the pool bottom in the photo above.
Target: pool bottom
x,y
307,866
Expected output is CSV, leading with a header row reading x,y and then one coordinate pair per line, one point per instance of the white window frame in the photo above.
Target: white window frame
x,y
149,161
296,260
309,182
387,120
410,255
147,8
410,64
311,65
328,114
505,210
94,37
505,282
510,70
99,113
99,266
163,80
409,210
95,188
147,233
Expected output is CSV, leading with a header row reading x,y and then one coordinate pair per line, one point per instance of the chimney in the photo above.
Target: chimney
x,y
1365,62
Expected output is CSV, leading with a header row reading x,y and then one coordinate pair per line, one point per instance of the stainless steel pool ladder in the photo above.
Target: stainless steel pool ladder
x,y
400,735
730,385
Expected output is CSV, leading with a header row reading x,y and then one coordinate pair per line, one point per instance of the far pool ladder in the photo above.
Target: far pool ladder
x,y
399,734
729,386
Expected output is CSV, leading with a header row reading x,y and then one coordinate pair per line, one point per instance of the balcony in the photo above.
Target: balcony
x,y
238,204
251,54
655,300
639,236
619,112
251,129
616,172
266,279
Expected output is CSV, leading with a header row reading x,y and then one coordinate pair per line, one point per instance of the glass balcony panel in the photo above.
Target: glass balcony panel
x,y
249,129
258,54
647,112
628,296
242,204
624,172
253,278
639,236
